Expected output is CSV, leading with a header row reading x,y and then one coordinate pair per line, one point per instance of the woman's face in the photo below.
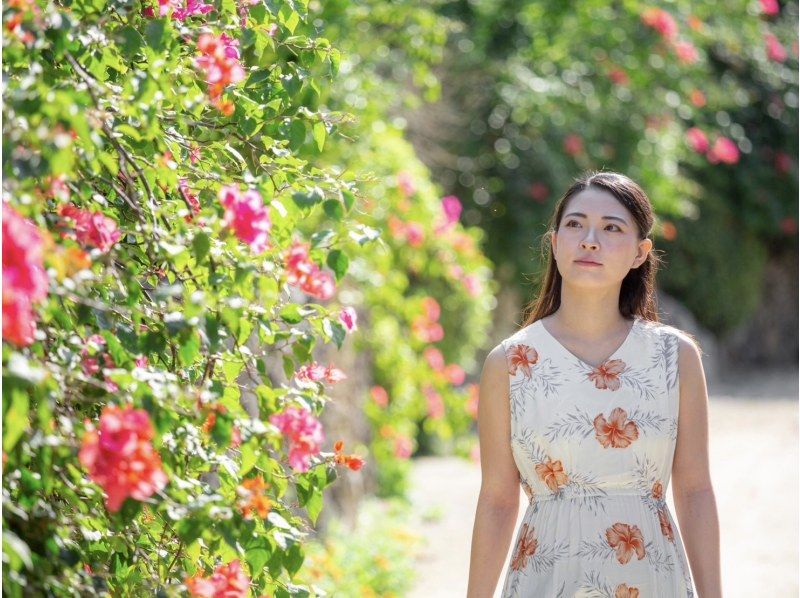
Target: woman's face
x,y
597,227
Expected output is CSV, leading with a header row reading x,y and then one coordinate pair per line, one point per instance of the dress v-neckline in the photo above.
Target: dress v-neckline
x,y
583,361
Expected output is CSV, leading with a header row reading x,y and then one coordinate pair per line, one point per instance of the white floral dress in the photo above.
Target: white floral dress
x,y
594,449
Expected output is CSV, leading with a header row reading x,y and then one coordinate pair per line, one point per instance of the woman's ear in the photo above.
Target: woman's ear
x,y
645,245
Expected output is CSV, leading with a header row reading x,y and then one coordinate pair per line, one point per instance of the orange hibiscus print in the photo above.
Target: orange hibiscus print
x,y
625,591
526,548
527,488
625,539
552,474
666,526
606,376
615,432
658,491
522,357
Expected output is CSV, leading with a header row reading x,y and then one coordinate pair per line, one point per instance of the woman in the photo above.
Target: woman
x,y
591,407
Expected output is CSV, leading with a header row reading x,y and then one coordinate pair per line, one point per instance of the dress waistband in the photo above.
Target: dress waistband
x,y
594,493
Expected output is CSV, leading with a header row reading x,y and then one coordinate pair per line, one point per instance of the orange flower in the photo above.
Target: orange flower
x,y
616,432
625,539
354,462
252,491
606,376
666,527
658,491
625,591
552,474
526,547
523,357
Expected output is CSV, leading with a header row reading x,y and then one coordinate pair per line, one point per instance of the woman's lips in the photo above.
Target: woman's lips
x,y
587,263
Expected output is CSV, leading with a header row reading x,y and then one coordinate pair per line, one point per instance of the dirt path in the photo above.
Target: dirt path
x,y
754,466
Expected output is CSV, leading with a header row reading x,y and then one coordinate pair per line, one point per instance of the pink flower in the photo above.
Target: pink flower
x,y
697,140
24,278
334,375
220,62
406,184
194,154
403,447
190,198
227,581
379,395
92,228
141,361
451,206
304,433
193,8
120,458
686,52
302,271
473,285
661,21
432,309
247,216
415,234
618,76
435,403
573,144
724,150
348,317
775,51
770,7
455,374
435,358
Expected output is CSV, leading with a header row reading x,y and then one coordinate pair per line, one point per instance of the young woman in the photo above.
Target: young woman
x,y
591,407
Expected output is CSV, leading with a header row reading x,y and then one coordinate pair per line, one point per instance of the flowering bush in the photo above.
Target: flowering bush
x,y
158,249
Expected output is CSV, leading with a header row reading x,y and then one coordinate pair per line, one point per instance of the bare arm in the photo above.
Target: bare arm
x,y
692,492
498,501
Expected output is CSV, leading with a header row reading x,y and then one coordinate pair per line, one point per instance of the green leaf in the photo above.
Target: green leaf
x,y
129,41
154,33
308,199
15,420
201,245
319,134
333,208
338,262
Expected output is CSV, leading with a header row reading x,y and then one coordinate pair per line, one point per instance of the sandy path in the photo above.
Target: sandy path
x,y
754,466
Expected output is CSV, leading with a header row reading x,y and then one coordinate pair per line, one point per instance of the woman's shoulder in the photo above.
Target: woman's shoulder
x,y
685,341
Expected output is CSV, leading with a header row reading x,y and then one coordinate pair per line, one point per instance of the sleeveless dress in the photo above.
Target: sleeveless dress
x,y
594,449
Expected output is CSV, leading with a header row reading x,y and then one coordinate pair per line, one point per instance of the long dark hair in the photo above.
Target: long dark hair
x,y
637,295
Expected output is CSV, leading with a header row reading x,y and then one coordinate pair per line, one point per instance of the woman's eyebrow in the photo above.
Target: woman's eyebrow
x,y
582,215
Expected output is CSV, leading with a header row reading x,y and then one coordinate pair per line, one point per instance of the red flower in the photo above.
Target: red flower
x,y
526,548
666,527
523,357
686,52
698,98
626,539
120,458
227,581
616,432
552,473
606,376
92,228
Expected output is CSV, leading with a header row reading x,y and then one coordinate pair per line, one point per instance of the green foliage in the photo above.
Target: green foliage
x,y
522,76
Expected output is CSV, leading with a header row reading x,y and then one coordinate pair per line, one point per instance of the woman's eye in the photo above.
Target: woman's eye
x,y
571,222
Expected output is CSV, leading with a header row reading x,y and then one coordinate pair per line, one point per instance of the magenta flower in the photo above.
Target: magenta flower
x,y
697,140
304,433
92,228
452,208
348,317
303,272
775,51
24,278
724,150
770,7
193,8
247,216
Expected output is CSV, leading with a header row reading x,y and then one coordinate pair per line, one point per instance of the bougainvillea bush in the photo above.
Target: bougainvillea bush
x,y
157,196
